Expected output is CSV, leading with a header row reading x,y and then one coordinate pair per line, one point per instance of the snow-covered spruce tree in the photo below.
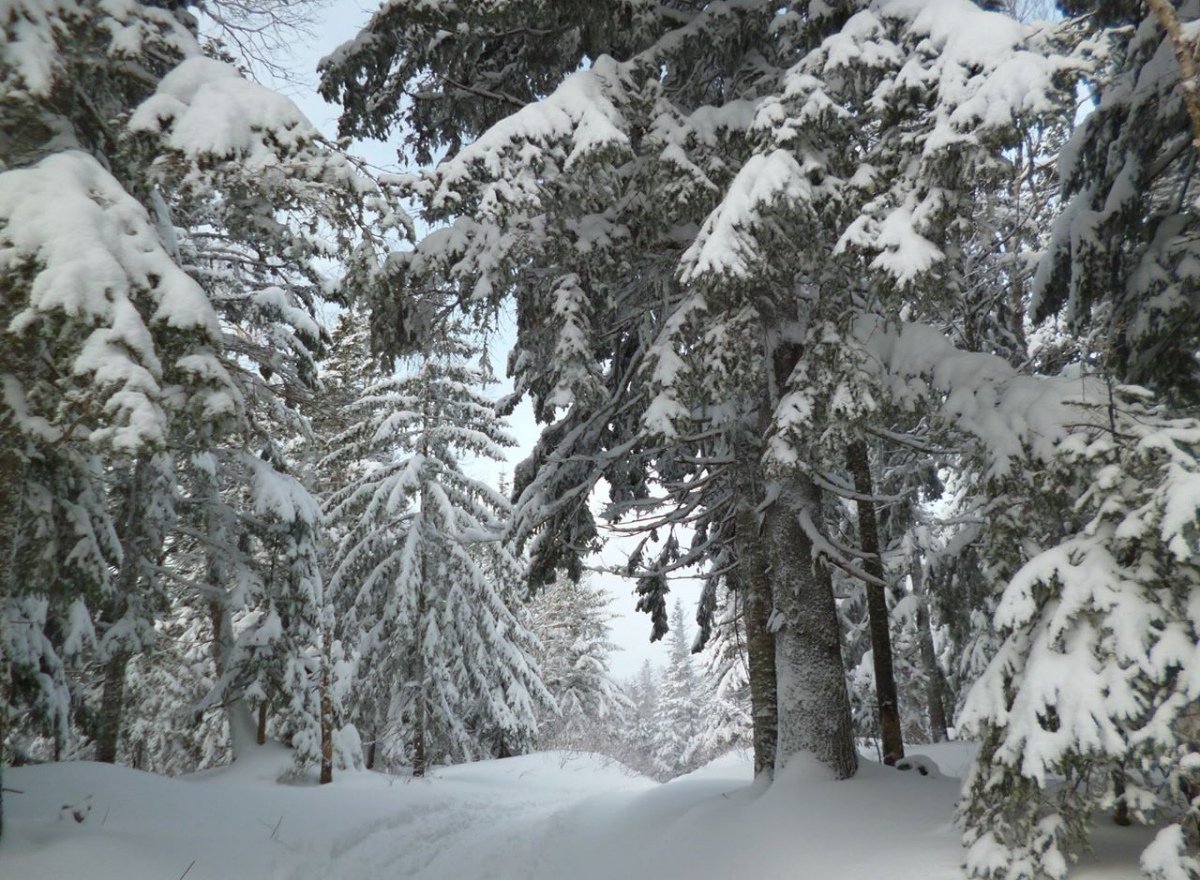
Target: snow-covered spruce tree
x,y
679,705
634,213
109,348
265,204
1093,682
1121,263
894,215
162,733
570,621
725,715
421,571
164,161
641,733
1090,680
1118,266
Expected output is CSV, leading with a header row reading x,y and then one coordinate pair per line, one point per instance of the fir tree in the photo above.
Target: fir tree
x,y
725,714
660,335
570,620
678,723
164,220
421,569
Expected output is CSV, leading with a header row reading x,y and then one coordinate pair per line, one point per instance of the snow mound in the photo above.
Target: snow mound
x,y
919,764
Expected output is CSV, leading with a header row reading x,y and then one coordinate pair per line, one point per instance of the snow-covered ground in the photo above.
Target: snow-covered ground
x,y
549,816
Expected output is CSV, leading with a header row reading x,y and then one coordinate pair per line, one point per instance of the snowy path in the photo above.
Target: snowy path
x,y
488,839
537,817
487,820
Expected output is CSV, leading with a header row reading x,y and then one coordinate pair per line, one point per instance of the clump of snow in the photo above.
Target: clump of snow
x,y
96,253
208,108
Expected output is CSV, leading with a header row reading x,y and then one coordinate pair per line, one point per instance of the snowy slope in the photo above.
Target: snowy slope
x,y
544,817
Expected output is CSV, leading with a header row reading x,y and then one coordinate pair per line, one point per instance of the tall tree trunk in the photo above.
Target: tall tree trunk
x,y
112,700
813,706
112,704
890,732
371,753
419,757
934,681
12,479
754,574
326,711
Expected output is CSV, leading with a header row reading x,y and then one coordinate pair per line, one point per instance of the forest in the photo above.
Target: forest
x,y
877,319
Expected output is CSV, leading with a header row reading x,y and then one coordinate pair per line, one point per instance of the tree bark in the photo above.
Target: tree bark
x,y
934,681
890,732
112,701
419,757
260,736
813,706
1121,807
326,711
371,754
754,574
112,704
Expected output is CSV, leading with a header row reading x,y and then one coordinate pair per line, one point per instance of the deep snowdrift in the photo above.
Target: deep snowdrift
x,y
548,816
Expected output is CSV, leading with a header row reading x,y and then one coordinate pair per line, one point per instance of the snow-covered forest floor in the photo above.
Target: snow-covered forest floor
x,y
546,816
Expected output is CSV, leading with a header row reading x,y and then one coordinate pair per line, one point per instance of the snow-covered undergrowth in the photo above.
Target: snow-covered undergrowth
x,y
548,816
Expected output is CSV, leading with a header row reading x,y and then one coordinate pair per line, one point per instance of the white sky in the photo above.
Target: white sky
x,y
337,22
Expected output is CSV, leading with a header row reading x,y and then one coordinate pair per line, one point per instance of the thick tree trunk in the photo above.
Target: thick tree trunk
x,y
813,706
754,574
371,754
934,682
112,705
890,731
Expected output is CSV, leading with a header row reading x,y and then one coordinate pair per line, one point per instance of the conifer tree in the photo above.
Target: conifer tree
x,y
652,353
725,715
110,348
641,732
679,706
1120,261
164,225
570,621
422,569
